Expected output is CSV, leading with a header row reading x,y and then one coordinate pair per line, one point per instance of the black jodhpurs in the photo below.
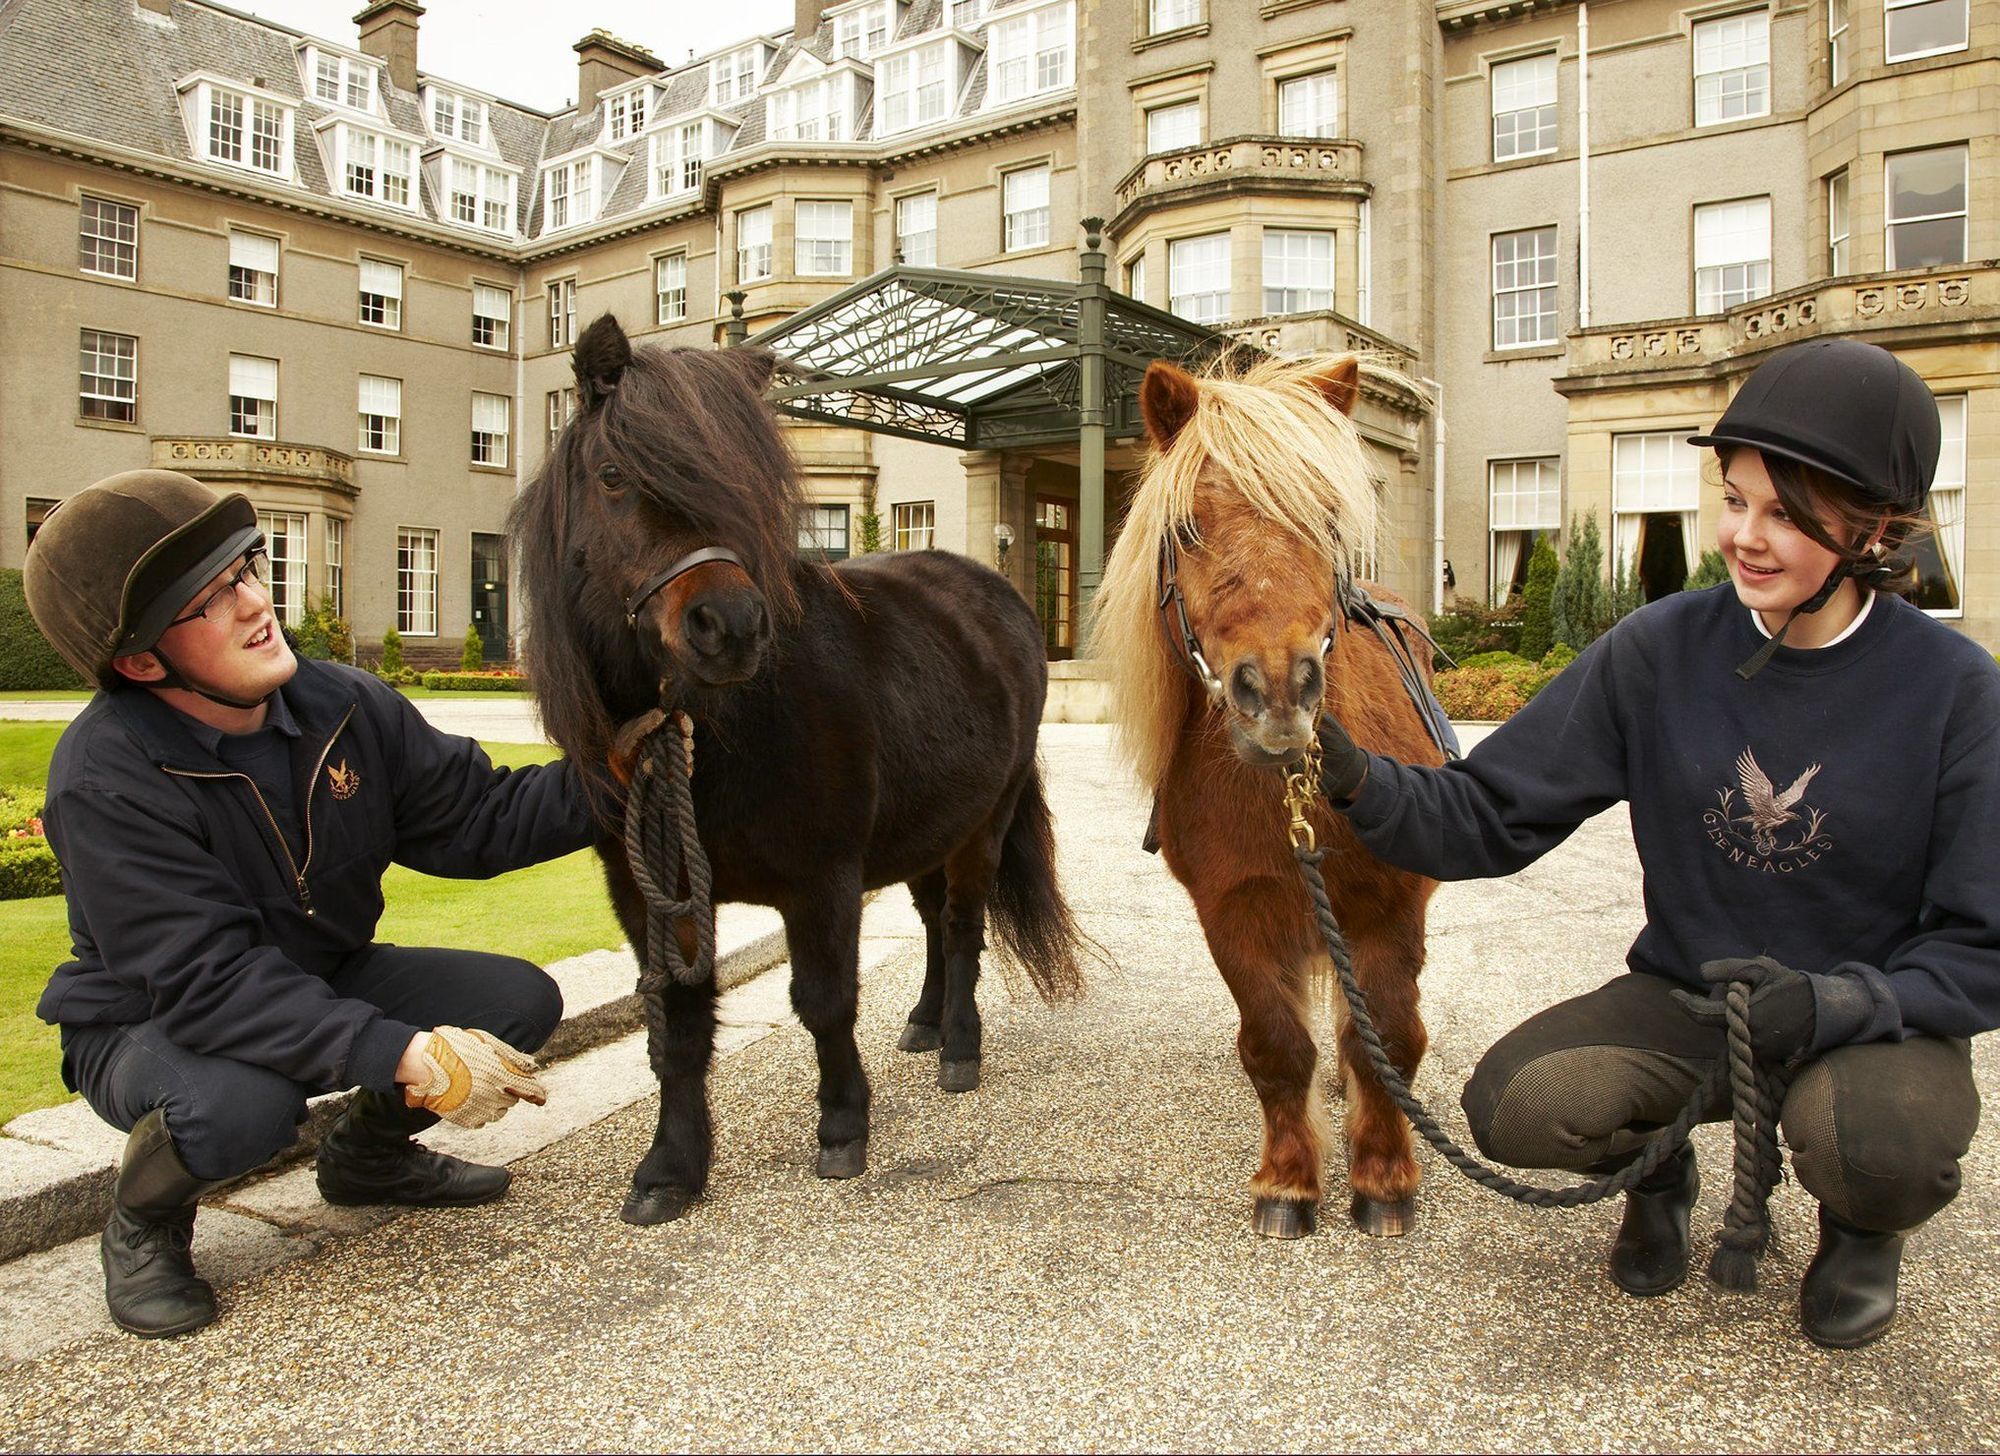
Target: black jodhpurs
x,y
228,1117
1876,1131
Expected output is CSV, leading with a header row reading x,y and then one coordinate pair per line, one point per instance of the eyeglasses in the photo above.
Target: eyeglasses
x,y
218,604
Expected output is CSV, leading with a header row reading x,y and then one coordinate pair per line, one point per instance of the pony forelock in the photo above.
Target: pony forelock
x,y
1269,435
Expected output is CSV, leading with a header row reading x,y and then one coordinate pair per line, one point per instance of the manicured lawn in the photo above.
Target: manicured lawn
x,y
543,913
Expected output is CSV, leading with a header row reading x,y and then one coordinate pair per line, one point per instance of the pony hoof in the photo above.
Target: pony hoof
x,y
658,1205
1381,1220
844,1160
918,1037
959,1076
1284,1218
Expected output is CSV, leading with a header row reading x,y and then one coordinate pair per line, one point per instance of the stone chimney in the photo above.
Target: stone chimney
x,y
389,33
805,19
603,62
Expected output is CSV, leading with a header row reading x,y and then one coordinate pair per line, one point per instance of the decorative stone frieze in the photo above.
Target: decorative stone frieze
x,y
1261,162
229,460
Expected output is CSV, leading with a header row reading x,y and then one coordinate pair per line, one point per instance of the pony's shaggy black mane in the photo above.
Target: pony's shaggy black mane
x,y
689,429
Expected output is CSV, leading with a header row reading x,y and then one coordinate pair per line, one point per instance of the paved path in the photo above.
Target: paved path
x,y
1061,1259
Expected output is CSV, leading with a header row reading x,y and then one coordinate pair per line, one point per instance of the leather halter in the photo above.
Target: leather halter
x,y
660,579
1351,603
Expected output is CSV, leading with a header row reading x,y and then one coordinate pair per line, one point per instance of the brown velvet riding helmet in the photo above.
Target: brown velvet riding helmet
x,y
115,563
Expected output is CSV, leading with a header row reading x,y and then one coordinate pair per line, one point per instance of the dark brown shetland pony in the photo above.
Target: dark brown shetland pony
x,y
1255,497
853,726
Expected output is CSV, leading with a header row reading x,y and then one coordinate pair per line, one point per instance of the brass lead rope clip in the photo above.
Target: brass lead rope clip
x,y
1301,788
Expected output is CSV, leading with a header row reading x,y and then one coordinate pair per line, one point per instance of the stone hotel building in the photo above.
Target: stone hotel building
x,y
308,268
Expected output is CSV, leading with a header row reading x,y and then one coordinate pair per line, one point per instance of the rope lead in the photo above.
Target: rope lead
x,y
663,849
1755,1096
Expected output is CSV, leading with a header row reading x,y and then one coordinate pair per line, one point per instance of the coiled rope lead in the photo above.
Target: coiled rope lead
x,y
663,849
1755,1093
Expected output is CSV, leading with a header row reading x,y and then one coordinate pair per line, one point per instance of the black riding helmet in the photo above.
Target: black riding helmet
x,y
1851,410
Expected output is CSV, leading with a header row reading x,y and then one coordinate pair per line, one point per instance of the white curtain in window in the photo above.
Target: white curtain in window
x,y
1947,502
253,251
1690,546
253,378
1506,561
383,278
1628,540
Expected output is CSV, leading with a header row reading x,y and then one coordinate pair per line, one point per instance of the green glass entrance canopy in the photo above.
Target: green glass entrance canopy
x,y
981,361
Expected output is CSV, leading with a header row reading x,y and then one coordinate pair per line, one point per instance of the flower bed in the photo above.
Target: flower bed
x,y
27,864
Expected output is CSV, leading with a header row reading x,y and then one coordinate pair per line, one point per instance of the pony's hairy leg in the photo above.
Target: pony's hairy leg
x,y
969,872
674,1172
823,930
1381,1165
923,1033
1253,933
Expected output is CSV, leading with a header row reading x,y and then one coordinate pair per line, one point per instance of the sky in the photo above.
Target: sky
x,y
521,50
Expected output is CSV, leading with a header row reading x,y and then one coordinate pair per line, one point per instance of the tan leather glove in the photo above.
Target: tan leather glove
x,y
473,1078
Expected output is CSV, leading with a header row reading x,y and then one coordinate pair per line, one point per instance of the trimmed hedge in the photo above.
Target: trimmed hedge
x,y
27,662
1494,686
28,870
476,682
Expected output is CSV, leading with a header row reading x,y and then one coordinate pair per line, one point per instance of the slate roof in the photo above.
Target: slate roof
x,y
130,100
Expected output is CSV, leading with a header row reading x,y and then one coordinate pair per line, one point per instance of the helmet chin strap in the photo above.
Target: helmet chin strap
x,y
1864,569
175,678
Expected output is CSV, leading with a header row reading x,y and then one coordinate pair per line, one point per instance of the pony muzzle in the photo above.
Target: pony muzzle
x,y
723,634
1273,720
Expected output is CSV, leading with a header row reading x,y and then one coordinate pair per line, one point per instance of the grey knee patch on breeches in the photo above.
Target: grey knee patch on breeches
x,y
1567,1108
1910,1177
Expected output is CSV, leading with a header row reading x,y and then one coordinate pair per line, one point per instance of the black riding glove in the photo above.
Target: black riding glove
x,y
1785,1009
1343,766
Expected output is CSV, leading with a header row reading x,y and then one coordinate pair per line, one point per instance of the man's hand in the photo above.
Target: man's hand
x,y
1343,764
471,1078
1782,1007
625,747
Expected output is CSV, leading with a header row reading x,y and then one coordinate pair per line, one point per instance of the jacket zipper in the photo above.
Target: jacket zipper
x,y
298,870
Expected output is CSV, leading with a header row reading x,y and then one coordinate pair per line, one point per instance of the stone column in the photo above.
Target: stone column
x,y
996,493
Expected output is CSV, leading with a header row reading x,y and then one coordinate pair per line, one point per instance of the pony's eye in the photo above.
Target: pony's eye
x,y
610,477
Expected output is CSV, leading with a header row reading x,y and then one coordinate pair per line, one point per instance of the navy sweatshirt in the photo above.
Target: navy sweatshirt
x,y
216,908
1839,812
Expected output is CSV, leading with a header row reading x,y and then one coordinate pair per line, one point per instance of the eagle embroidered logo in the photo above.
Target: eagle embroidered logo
x,y
1768,829
342,780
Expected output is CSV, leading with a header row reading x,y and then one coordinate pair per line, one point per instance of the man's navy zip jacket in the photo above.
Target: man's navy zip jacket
x,y
188,908
1839,811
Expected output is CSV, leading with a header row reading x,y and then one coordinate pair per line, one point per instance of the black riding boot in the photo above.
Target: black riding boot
x,y
1849,1294
1651,1253
150,1285
367,1157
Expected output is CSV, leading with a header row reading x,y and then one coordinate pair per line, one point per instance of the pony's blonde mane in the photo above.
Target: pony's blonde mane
x,y
1270,434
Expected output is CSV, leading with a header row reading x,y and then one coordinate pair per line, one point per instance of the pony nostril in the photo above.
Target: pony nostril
x,y
1309,679
760,623
704,628
1246,688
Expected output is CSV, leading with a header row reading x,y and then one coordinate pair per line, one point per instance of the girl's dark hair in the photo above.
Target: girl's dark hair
x,y
1832,513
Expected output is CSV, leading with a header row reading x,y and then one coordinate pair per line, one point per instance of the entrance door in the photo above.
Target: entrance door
x,y
489,595
1055,575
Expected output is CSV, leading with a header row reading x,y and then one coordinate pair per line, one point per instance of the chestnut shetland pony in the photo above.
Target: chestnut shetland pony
x,y
853,725
1255,497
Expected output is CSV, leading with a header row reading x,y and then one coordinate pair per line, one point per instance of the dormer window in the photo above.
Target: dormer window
x,y
963,14
458,118
625,114
676,158
376,168
813,111
479,196
732,79
570,193
339,80
1031,53
863,31
239,125
916,87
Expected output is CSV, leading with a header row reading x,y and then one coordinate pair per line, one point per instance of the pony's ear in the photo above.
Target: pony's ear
x,y
1341,384
759,364
1167,398
600,360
